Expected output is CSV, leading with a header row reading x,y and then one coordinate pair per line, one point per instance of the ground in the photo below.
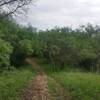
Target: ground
x,y
33,83
38,88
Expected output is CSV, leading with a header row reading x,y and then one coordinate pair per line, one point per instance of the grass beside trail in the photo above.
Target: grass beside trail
x,y
13,84
81,86
54,90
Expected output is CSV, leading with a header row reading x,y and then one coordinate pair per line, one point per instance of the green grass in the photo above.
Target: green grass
x,y
54,89
81,86
12,84
76,85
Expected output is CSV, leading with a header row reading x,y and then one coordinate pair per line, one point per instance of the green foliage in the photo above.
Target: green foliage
x,y
5,52
56,90
81,86
76,48
13,84
58,47
26,47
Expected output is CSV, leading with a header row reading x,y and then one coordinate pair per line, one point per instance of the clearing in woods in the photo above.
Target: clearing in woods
x,y
38,88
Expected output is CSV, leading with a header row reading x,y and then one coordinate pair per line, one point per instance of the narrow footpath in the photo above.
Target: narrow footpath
x,y
38,88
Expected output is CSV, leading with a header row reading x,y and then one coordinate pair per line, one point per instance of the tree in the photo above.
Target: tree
x,y
26,47
5,52
23,50
9,7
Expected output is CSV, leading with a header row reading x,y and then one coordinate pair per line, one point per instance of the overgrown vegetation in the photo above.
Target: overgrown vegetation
x,y
13,84
80,86
58,49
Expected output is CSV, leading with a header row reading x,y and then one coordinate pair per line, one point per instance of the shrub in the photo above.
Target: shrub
x,y
24,49
5,52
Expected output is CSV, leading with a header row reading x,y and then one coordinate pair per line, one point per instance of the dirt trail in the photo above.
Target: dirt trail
x,y
38,88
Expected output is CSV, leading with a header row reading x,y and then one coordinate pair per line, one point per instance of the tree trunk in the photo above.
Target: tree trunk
x,y
98,69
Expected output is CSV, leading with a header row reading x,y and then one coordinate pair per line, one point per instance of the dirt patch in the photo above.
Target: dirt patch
x,y
38,89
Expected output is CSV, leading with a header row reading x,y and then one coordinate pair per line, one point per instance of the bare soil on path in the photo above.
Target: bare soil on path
x,y
38,88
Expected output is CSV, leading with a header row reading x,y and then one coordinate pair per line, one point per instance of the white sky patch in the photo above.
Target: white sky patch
x,y
47,13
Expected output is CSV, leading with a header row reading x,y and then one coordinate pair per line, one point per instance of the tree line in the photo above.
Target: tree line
x,y
59,47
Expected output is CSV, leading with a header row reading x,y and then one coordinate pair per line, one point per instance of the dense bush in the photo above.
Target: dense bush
x,y
24,49
5,52
74,48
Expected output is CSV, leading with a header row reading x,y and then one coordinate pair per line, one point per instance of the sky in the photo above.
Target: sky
x,y
50,13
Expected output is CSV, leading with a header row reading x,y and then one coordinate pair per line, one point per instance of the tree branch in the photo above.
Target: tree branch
x,y
8,2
